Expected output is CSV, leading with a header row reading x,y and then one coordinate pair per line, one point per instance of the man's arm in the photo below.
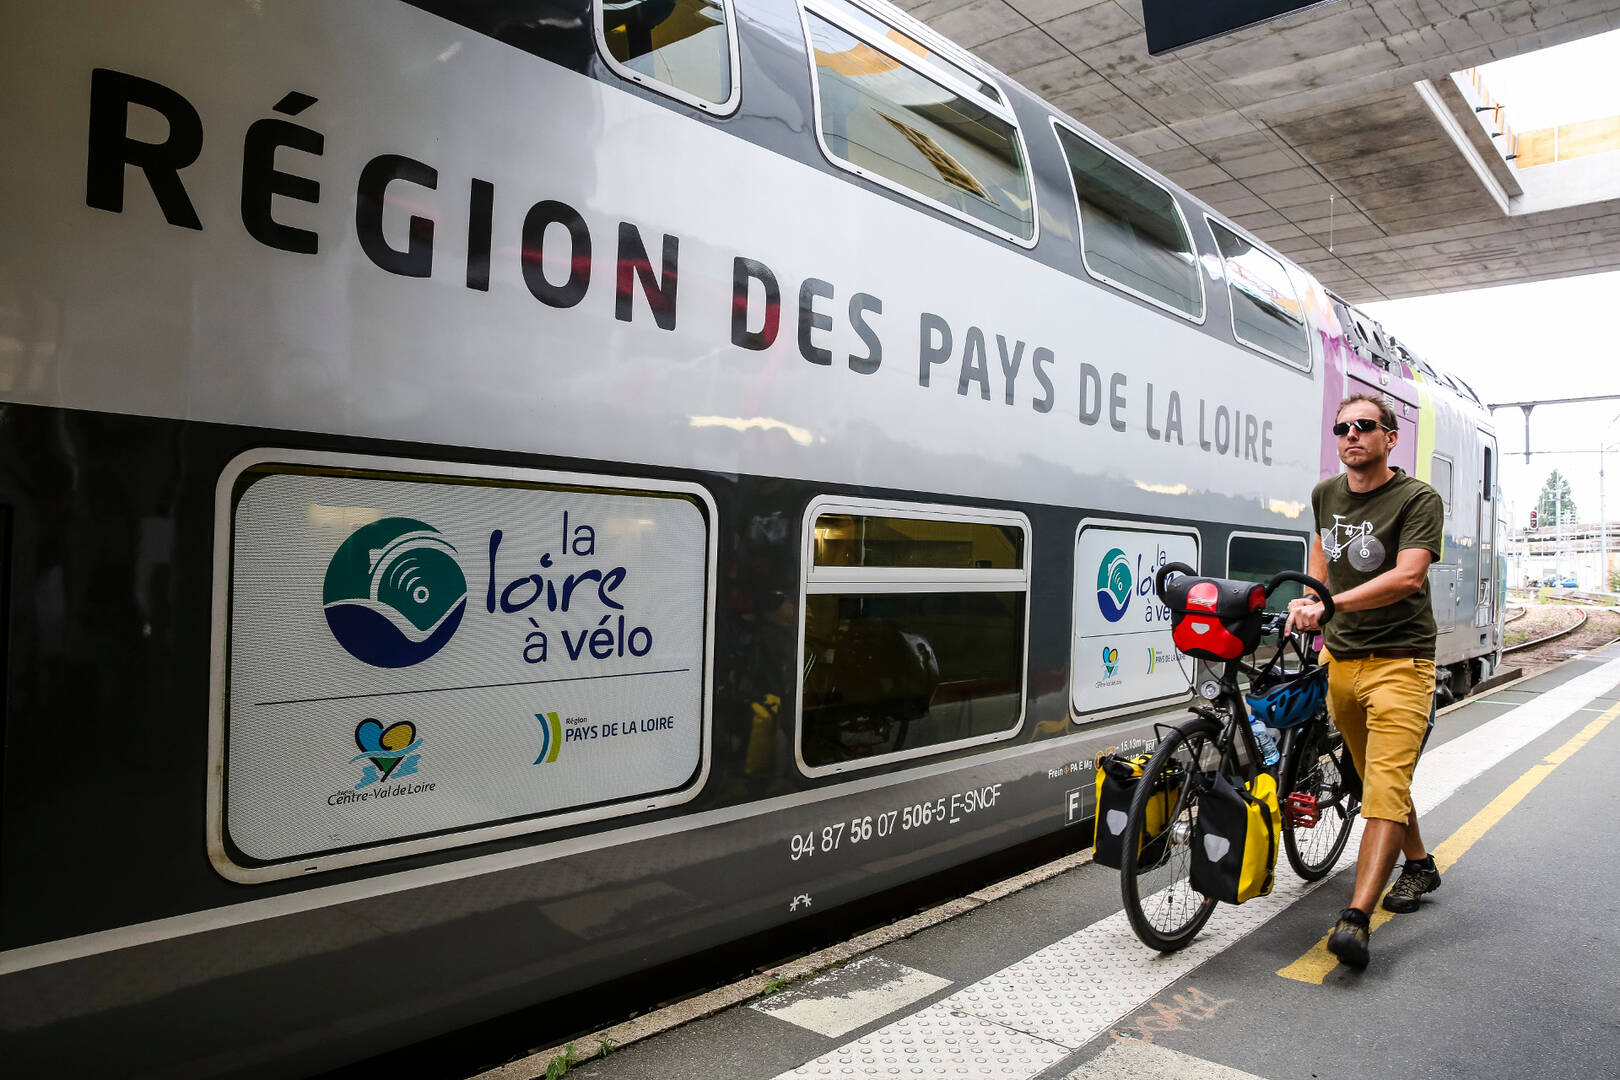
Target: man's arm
x,y
1411,567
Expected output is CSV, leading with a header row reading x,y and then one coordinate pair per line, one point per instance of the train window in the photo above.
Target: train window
x,y
686,49
1132,233
1440,479
851,540
1266,312
895,111
420,655
1261,556
1487,480
914,632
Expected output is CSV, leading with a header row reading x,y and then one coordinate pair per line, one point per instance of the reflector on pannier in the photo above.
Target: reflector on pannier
x,y
1213,618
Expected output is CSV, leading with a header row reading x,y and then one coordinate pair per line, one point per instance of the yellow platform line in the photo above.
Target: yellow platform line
x,y
1316,964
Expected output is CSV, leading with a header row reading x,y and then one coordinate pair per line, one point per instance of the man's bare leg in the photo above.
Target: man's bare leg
x,y
1379,842
1412,846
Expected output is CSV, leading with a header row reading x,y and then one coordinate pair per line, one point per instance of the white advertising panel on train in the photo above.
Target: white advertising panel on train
x,y
409,656
1122,653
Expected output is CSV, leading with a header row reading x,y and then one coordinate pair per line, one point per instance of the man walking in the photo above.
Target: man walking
x,y
1377,530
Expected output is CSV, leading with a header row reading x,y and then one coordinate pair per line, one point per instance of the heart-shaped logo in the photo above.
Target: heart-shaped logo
x,y
386,747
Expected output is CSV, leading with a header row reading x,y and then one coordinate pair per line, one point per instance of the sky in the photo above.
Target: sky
x,y
1544,339
1562,85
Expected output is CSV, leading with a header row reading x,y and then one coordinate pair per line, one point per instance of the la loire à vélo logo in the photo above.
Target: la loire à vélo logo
x,y
394,592
1114,585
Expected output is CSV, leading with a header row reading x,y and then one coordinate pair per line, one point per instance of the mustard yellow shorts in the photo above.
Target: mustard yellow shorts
x,y
1382,708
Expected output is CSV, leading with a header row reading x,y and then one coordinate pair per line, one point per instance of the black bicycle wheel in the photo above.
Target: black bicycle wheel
x,y
1164,909
1319,766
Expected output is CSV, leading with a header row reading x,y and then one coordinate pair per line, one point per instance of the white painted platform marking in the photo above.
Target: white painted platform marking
x,y
1149,1061
1063,996
852,996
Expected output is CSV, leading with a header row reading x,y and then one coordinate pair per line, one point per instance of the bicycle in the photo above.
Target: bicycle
x,y
1319,791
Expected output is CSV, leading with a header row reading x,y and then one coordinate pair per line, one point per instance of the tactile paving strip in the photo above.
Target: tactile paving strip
x,y
937,1042
1029,1015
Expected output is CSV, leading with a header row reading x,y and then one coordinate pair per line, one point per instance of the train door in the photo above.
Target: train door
x,y
1444,574
1485,587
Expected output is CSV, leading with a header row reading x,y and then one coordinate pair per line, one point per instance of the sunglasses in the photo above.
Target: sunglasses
x,y
1365,425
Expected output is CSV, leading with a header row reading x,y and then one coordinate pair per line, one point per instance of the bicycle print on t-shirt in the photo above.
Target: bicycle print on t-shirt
x,y
1357,542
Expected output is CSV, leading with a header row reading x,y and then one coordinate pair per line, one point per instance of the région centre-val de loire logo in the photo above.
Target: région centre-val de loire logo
x,y
394,593
388,750
1114,585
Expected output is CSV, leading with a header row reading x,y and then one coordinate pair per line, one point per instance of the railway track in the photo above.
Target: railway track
x,y
1549,637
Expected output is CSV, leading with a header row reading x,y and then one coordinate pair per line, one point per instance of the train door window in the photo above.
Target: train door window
x,y
905,115
1266,312
913,634
1262,556
686,49
1132,233
1440,480
1485,476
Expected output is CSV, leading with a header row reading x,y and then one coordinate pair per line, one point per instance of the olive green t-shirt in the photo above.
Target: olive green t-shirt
x,y
1361,534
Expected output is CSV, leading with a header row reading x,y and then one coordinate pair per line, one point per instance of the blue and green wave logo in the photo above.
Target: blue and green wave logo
x,y
551,737
1114,585
394,593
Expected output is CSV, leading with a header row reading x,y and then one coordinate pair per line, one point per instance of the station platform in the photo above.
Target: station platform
x,y
1511,968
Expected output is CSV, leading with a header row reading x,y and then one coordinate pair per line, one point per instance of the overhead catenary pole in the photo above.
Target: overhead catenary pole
x,y
1526,406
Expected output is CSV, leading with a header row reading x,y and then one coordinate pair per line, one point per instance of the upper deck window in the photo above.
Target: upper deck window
x,y
1266,312
894,110
1132,234
684,48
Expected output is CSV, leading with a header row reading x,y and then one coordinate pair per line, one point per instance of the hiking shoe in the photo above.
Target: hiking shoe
x,y
1348,941
1416,879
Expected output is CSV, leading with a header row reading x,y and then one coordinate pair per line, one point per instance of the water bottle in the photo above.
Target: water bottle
x,y
1263,740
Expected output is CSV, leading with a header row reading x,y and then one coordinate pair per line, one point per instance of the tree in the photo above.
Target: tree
x,y
1549,504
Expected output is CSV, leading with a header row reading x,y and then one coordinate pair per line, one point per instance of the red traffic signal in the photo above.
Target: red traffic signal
x,y
1532,519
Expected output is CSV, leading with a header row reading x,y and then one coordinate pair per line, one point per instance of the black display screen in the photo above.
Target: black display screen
x,y
1174,23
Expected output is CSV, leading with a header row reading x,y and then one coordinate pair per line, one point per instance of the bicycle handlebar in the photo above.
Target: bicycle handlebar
x,y
1309,582
1165,571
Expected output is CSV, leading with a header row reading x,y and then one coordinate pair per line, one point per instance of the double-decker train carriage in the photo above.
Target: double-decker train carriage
x,y
498,496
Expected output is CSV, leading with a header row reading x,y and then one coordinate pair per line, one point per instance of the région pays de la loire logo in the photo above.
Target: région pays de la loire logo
x,y
387,750
1110,661
394,593
1114,585
551,737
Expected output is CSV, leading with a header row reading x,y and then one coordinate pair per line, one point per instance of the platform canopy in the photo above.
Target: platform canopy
x,y
1354,136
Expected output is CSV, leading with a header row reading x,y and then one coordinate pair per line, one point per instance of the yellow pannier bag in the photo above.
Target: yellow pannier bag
x,y
1234,842
1117,779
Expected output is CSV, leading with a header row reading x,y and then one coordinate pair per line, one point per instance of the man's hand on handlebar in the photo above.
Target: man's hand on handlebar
x,y
1305,615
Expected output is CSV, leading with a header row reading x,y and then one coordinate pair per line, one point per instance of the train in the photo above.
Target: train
x,y
495,497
